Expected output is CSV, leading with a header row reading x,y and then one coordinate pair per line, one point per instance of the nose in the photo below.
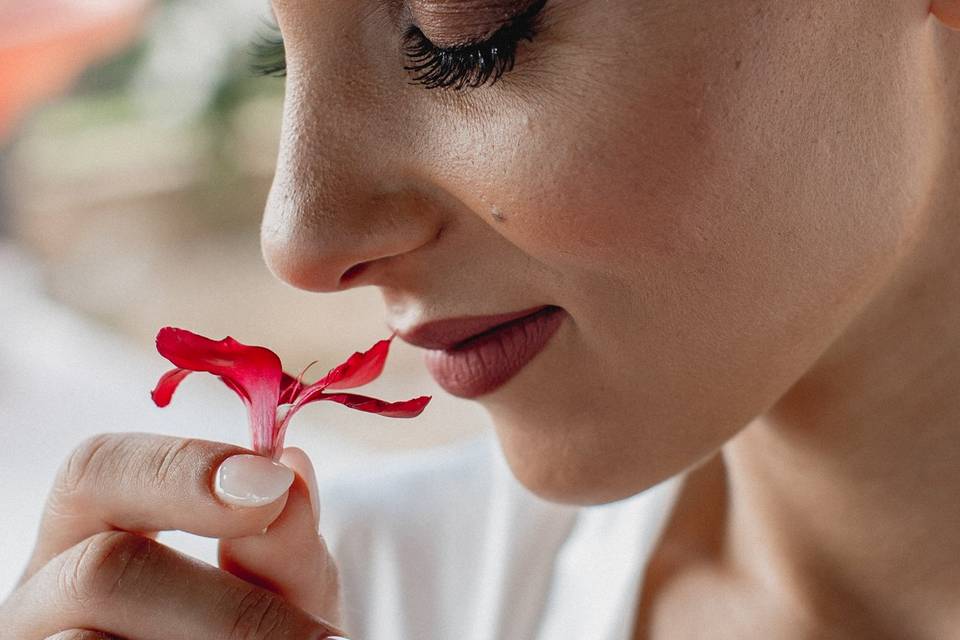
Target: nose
x,y
344,204
341,230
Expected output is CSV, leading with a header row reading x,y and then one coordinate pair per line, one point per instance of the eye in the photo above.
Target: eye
x,y
458,67
469,65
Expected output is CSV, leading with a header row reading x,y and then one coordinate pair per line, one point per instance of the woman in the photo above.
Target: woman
x,y
737,224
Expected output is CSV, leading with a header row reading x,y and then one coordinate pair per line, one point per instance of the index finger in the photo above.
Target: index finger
x,y
141,482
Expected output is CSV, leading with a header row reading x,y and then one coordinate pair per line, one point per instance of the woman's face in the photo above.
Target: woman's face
x,y
712,191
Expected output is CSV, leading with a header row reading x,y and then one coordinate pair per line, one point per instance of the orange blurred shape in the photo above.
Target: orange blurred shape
x,y
44,44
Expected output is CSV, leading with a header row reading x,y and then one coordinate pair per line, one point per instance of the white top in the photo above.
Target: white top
x,y
448,544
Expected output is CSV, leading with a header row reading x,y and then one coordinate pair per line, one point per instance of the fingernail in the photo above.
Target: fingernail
x,y
298,460
251,481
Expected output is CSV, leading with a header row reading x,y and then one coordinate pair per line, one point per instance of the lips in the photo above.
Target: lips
x,y
484,361
451,333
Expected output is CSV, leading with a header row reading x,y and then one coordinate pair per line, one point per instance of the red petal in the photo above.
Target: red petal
x,y
405,409
358,370
169,382
289,386
253,372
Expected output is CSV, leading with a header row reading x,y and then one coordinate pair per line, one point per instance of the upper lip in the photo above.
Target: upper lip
x,y
451,332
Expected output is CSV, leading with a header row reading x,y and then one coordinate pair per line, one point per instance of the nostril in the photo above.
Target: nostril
x,y
352,273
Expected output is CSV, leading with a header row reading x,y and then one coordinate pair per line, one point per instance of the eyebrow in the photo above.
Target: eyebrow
x,y
453,22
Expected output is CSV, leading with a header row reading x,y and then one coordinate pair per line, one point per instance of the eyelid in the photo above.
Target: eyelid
x,y
470,65
462,65
458,23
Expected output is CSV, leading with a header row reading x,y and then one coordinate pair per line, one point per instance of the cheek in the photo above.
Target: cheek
x,y
717,222
763,150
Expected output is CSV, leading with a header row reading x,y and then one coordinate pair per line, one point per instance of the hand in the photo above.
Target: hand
x,y
96,566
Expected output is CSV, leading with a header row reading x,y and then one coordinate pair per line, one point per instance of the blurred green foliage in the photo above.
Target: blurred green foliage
x,y
115,74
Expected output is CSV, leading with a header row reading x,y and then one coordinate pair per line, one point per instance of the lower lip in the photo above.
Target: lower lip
x,y
487,362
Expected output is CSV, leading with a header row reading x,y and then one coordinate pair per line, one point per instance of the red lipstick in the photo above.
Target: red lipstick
x,y
472,356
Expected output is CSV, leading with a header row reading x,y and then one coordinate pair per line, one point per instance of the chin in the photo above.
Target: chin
x,y
578,468
567,439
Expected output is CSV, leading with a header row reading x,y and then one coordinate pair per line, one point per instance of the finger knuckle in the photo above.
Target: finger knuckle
x,y
97,569
84,462
170,459
260,615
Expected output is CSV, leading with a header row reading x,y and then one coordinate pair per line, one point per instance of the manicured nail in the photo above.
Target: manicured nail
x,y
298,460
251,481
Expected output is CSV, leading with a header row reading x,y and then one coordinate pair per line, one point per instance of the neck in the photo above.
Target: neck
x,y
844,495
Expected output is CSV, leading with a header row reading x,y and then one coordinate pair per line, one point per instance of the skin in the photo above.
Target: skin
x,y
749,211
452,23
96,571
706,218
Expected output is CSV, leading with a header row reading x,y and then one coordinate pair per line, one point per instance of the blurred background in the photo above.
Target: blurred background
x,y
136,151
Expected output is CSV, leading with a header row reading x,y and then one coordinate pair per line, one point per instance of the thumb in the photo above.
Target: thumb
x,y
291,558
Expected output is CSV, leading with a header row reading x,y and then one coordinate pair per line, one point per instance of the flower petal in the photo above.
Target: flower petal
x,y
253,372
359,369
404,409
163,392
289,387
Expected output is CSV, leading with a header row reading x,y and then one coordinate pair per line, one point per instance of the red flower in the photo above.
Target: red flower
x,y
272,396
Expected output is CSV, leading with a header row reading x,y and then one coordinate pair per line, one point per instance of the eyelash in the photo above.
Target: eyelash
x,y
457,67
469,65
268,53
